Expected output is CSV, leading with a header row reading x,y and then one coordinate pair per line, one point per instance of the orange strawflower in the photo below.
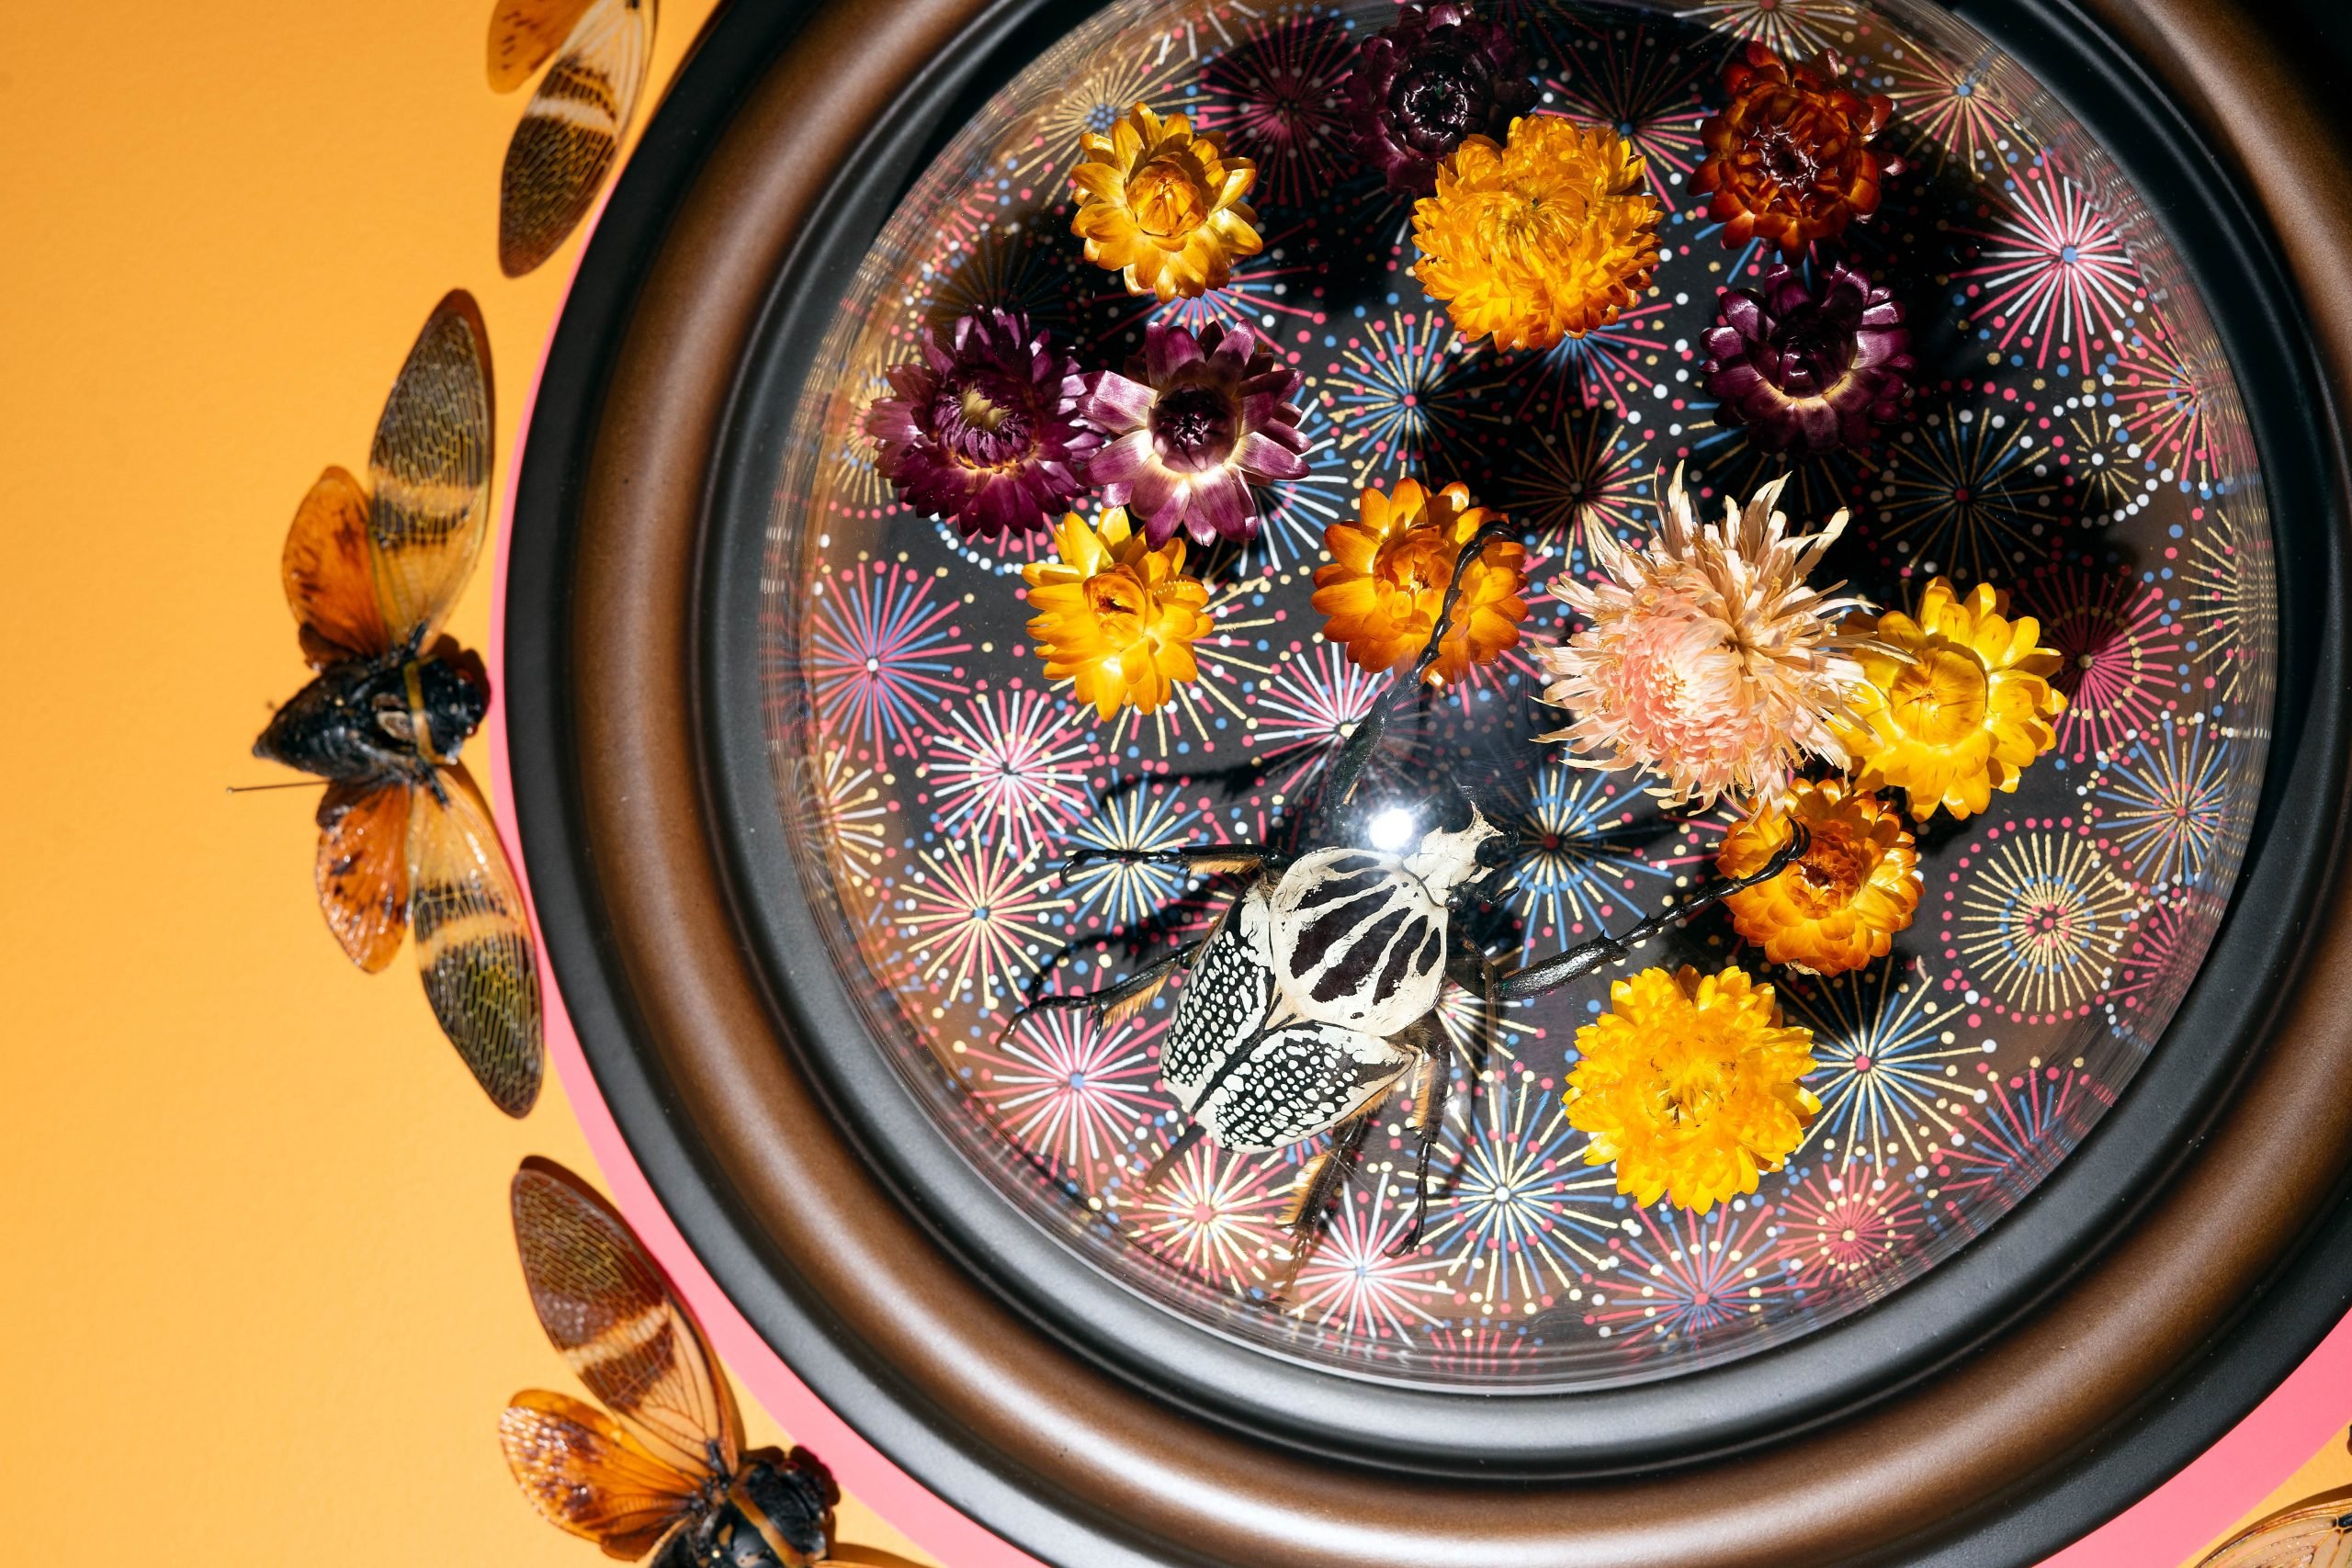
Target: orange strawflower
x,y
1115,616
1839,906
1788,159
1161,205
1956,704
1546,236
1389,571
1688,1085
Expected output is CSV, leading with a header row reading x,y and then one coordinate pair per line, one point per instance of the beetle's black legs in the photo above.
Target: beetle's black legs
x,y
1114,1002
1239,859
1551,974
1307,1214
1192,1133
1428,1120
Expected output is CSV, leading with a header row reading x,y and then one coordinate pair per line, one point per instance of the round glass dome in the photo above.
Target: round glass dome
x,y
2073,437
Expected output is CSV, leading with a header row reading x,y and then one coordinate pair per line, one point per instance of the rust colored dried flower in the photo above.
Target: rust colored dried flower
x,y
1161,205
1389,570
1839,906
1808,370
1707,657
1115,616
1788,159
1546,236
1430,78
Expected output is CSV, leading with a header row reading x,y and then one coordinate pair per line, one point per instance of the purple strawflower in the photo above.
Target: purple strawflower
x,y
1432,77
1807,370
1210,416
985,430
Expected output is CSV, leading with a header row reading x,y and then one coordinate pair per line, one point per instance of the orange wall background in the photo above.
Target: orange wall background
x,y
262,1304
262,1300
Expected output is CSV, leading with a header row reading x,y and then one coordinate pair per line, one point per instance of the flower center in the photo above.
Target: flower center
x,y
1168,199
1418,562
1436,106
1193,427
980,413
1832,871
1118,602
1942,697
1785,160
982,420
1810,352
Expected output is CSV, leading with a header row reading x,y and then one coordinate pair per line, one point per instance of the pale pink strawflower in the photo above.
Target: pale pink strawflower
x,y
1706,658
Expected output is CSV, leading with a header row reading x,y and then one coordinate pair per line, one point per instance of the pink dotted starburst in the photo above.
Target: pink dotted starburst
x,y
976,917
1275,97
2152,971
2162,397
1069,1091
881,653
1626,78
1304,712
2026,1125
1212,1214
1789,27
2054,269
1848,1224
2122,656
2164,800
1011,763
1351,1284
1686,1278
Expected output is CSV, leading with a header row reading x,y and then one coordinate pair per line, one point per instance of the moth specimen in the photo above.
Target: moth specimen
x,y
571,134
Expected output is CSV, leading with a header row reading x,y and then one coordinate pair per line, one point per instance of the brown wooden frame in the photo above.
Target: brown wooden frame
x,y
1967,1436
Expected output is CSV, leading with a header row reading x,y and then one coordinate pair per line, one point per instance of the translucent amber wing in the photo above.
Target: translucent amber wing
x,y
523,33
2307,1538
473,941
611,1313
586,1475
571,134
330,583
363,868
430,468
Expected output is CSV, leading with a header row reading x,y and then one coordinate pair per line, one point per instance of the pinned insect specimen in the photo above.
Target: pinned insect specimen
x,y
404,840
664,1478
571,134
1315,994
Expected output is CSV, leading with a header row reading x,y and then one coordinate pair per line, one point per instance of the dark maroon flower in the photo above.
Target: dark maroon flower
x,y
1431,78
1809,370
984,430
1192,428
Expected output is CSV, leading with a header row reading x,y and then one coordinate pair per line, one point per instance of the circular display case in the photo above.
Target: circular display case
x,y
794,790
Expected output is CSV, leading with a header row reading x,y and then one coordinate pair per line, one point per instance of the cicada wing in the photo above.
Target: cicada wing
x,y
523,33
430,466
585,1473
614,1317
330,580
2304,1538
571,134
362,869
473,941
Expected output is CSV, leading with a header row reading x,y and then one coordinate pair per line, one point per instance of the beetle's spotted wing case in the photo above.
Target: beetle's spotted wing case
x,y
1357,941
572,133
330,579
1225,1000
430,468
362,869
1296,1081
473,941
609,1311
584,1473
523,33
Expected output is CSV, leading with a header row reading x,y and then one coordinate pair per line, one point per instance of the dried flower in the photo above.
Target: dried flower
x,y
1689,1086
1839,906
984,430
1114,615
1957,702
1705,657
1210,416
1389,571
1430,78
1546,236
1162,206
1809,371
1788,159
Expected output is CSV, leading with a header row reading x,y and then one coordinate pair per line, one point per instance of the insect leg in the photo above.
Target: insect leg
x,y
1307,1214
1130,994
1213,858
1174,1152
1429,1119
1551,974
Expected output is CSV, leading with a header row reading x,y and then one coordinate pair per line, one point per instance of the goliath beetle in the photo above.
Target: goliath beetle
x,y
1315,993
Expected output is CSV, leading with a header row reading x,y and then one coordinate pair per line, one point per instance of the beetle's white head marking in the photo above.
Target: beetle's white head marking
x,y
1447,859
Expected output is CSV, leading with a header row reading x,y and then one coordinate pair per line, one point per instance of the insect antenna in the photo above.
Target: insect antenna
x,y
291,784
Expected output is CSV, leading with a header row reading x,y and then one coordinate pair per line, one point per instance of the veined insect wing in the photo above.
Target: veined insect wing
x,y
523,33
571,134
430,466
473,941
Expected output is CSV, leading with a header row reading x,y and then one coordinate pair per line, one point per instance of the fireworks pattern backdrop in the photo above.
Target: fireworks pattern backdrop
x,y
2073,437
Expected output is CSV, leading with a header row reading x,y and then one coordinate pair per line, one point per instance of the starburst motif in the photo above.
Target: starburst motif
x,y
1965,491
1274,97
1688,1277
2166,947
2124,664
2040,919
1290,530
1590,473
1523,1217
2054,269
1632,80
881,652
1069,1091
1278,291
1230,659
2013,1141
1011,763
1406,398
1954,110
1010,266
1214,1213
1094,103
1788,27
854,815
2111,477
2161,397
1352,1284
1846,1224
1307,710
2226,607
1625,367
1116,894
1889,1055
1580,861
852,474
2164,800
975,916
